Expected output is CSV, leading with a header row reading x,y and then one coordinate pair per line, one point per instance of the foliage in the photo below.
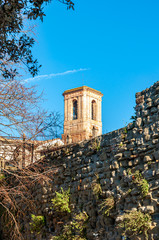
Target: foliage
x,y
121,145
125,130
136,222
134,117
97,190
137,177
141,182
16,39
18,105
129,191
107,205
76,229
37,223
129,171
96,144
144,187
80,221
61,201
96,187
124,133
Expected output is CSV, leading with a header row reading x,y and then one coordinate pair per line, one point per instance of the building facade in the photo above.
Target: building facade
x,y
82,114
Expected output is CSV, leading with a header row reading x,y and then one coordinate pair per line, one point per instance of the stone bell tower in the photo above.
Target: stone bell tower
x,y
82,114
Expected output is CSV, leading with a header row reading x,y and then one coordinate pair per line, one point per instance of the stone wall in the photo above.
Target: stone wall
x,y
111,161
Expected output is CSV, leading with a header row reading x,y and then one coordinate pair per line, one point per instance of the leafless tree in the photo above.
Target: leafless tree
x,y
15,192
19,109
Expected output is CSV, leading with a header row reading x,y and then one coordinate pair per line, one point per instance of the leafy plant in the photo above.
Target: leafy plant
x,y
144,187
137,177
125,130
135,223
129,171
141,182
107,205
149,163
134,117
61,201
97,190
37,223
74,230
129,191
80,221
96,144
96,187
121,145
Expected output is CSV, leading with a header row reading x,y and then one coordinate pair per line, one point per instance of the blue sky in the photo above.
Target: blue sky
x,y
113,45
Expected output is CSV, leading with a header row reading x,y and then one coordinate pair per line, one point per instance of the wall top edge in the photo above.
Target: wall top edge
x,y
150,89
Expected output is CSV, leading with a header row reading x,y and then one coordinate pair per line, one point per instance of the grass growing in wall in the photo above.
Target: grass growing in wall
x,y
61,201
141,182
96,144
144,187
136,223
96,187
107,205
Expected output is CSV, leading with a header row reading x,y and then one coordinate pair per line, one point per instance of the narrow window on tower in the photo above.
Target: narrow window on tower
x,y
93,110
75,116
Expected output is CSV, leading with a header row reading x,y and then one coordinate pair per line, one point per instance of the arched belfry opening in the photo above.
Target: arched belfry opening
x,y
75,109
93,109
82,114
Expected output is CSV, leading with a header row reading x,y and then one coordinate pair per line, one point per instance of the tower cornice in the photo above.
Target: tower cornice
x,y
83,88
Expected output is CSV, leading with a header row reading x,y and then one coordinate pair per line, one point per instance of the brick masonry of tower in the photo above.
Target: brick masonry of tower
x,y
87,123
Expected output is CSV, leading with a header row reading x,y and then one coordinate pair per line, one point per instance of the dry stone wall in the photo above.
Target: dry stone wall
x,y
112,167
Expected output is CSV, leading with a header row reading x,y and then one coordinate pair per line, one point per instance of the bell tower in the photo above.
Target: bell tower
x,y
82,114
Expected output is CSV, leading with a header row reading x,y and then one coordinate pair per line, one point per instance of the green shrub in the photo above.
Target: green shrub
x,y
61,201
74,230
37,223
135,223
